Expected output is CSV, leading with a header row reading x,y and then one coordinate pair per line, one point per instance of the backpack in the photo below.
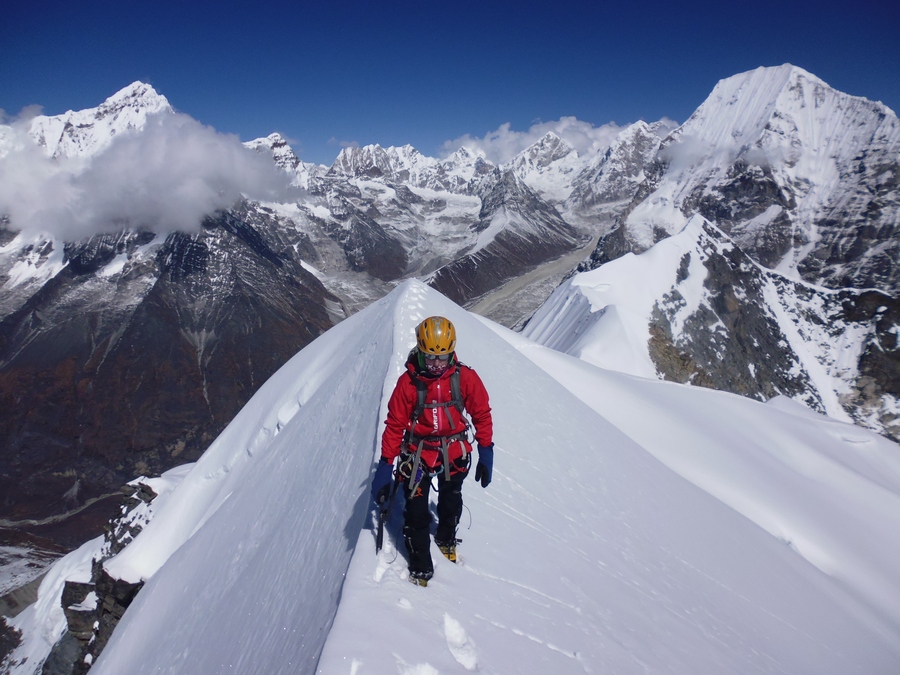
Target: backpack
x,y
422,393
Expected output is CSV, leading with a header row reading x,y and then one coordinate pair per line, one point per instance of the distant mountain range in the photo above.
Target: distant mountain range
x,y
127,353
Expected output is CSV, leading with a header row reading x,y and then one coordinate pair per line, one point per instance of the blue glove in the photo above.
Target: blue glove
x,y
485,467
381,483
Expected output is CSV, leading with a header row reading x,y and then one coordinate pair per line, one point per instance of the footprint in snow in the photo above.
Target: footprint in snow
x,y
418,669
459,644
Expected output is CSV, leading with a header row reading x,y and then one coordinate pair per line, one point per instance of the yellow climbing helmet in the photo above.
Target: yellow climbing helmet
x,y
436,335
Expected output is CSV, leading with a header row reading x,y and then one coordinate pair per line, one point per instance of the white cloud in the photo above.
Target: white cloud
x,y
502,144
164,178
688,152
343,144
666,126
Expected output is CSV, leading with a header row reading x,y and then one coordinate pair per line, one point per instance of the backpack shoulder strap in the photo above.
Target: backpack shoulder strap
x,y
455,391
421,395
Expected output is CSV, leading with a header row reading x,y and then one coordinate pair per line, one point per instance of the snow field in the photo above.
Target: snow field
x,y
587,554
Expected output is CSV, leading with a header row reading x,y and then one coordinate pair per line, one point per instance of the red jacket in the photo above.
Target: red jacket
x,y
435,421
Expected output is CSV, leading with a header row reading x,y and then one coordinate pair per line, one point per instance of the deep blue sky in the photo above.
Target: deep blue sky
x,y
425,72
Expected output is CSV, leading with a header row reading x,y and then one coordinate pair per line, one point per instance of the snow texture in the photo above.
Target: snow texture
x,y
633,526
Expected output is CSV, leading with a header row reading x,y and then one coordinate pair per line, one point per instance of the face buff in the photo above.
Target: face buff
x,y
436,365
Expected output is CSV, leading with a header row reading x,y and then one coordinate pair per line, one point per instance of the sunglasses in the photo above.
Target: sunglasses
x,y
436,357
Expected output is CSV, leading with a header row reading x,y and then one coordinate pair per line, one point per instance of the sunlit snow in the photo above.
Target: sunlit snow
x,y
632,526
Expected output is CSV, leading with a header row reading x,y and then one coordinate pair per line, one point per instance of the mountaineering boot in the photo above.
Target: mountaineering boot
x,y
448,548
419,578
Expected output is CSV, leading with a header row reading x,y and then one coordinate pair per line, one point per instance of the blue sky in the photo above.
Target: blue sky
x,y
335,72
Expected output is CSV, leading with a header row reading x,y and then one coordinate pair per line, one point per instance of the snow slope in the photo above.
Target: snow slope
x,y
605,316
586,554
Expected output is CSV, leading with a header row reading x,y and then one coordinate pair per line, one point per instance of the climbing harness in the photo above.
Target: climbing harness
x,y
415,472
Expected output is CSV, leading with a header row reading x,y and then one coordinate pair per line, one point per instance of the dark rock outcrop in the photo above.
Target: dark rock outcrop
x,y
93,609
736,339
109,375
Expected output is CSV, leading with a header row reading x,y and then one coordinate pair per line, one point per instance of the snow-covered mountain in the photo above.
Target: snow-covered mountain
x,y
803,177
159,314
284,157
548,167
609,181
775,170
786,285
695,308
117,350
633,526
85,133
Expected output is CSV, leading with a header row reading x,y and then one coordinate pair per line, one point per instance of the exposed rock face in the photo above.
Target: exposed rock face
x,y
759,335
366,244
730,342
117,368
94,608
529,232
874,395
9,637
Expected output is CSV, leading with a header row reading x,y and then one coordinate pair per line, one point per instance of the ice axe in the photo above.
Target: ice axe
x,y
383,515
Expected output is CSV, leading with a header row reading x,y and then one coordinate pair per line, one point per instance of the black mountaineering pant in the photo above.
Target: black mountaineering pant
x,y
417,519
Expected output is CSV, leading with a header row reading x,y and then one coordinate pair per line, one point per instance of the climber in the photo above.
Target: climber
x,y
427,430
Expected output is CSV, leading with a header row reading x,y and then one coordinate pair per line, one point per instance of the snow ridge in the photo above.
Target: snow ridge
x,y
642,572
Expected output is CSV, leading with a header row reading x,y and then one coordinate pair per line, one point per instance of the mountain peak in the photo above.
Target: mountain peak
x,y
546,166
373,161
780,105
138,95
85,133
278,147
546,150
